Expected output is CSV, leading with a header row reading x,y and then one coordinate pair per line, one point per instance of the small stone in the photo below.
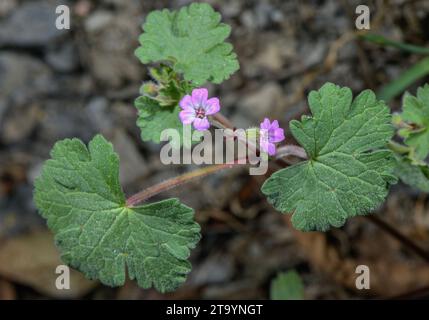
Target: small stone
x,y
271,57
262,102
248,20
231,9
98,21
65,118
312,54
82,8
3,108
22,78
6,7
19,124
217,268
110,44
98,113
133,165
32,24
63,58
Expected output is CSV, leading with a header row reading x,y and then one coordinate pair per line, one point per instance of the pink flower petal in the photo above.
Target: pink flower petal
x,y
199,97
186,102
277,135
212,106
201,124
274,125
187,115
270,133
271,149
266,124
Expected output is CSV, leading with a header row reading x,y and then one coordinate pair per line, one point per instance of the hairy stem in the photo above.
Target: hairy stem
x,y
224,121
220,121
398,148
287,150
291,150
174,182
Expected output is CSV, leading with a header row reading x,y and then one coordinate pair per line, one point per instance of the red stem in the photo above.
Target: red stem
x,y
291,150
224,121
182,179
176,181
282,151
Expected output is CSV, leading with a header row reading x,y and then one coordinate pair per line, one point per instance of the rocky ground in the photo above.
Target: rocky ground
x,y
75,83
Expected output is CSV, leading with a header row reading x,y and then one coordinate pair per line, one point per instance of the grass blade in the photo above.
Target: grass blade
x,y
383,41
397,86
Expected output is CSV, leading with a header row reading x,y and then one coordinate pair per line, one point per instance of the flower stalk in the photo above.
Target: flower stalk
x,y
175,182
288,150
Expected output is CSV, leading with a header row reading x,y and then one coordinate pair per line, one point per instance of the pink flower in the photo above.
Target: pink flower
x,y
270,133
197,107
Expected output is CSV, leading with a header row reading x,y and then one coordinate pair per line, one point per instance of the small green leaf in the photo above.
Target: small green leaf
x,y
167,89
349,169
416,115
416,176
154,119
149,88
79,194
169,95
287,286
192,39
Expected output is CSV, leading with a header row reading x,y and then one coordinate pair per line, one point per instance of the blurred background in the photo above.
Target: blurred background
x,y
56,84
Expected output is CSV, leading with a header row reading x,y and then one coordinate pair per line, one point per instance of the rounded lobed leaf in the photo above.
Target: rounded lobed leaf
x,y
348,171
192,39
79,194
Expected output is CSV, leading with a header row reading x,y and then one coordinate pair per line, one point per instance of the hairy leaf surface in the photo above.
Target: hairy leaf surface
x,y
349,169
79,194
287,286
192,39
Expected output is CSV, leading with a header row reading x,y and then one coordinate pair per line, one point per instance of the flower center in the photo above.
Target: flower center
x,y
200,113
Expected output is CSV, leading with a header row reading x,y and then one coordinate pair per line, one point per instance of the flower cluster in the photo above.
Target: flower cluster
x,y
196,107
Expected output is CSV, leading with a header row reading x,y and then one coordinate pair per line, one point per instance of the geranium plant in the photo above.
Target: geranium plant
x,y
348,159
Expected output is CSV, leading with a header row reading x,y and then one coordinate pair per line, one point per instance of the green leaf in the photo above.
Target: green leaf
x,y
79,194
416,116
287,286
154,119
167,89
192,39
416,176
348,170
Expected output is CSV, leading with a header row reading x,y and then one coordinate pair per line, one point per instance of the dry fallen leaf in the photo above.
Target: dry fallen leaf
x,y
391,274
7,290
32,259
